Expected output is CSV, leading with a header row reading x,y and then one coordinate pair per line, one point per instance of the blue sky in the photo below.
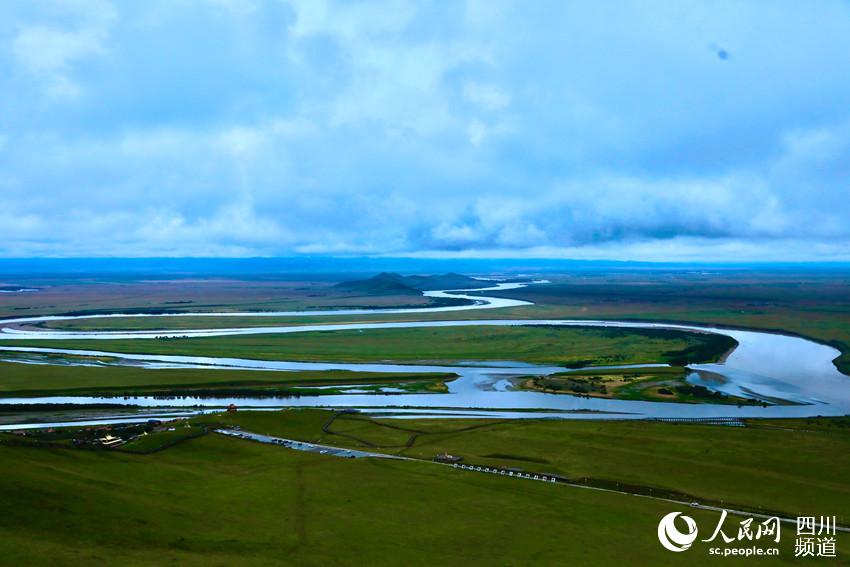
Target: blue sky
x,y
620,130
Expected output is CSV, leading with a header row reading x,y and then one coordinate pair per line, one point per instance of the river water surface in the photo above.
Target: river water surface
x,y
765,366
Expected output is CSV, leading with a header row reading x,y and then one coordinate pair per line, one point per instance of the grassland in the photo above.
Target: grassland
x,y
84,294
810,303
18,380
218,501
164,439
549,345
789,471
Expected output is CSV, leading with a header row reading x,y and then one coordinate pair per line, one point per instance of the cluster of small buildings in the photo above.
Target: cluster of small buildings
x,y
110,441
111,436
104,436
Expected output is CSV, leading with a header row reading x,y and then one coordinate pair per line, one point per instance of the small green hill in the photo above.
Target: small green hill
x,y
382,284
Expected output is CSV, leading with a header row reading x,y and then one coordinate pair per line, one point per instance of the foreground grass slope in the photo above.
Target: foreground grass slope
x,y
788,471
215,501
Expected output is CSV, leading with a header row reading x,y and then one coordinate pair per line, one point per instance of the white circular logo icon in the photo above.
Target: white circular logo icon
x,y
670,536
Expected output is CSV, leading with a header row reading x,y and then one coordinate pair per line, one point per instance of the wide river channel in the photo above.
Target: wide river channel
x,y
764,366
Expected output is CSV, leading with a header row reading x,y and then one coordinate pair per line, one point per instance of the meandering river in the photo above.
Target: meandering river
x,y
763,366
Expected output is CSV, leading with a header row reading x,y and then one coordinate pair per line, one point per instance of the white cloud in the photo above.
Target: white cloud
x,y
455,234
392,76
488,97
50,51
317,126
352,21
478,132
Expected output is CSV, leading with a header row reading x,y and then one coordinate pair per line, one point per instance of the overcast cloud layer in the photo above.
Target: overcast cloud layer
x,y
625,130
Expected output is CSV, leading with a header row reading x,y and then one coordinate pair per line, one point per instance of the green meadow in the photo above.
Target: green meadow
x,y
217,501
186,497
753,467
666,384
811,303
572,346
40,379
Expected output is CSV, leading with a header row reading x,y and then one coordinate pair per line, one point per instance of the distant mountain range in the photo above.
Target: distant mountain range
x,y
389,283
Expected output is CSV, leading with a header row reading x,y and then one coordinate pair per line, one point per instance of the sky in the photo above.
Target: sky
x,y
645,130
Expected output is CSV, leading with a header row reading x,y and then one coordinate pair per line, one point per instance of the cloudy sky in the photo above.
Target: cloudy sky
x,y
625,130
